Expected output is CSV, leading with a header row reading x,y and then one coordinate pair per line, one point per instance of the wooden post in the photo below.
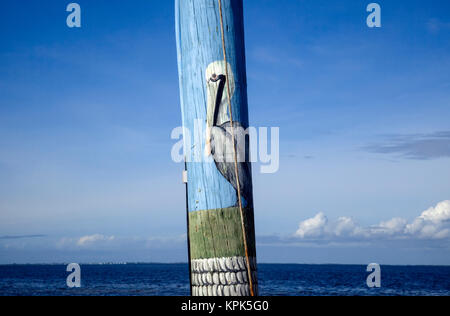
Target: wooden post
x,y
213,88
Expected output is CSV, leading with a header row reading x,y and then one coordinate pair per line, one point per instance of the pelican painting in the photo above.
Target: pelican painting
x,y
213,92
220,130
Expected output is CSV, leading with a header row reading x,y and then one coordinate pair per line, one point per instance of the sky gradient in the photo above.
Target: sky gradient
x,y
86,116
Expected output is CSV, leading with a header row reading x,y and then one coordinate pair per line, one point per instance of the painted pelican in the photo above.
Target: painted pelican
x,y
219,137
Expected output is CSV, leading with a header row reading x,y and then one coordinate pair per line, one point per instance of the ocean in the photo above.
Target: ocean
x,y
173,280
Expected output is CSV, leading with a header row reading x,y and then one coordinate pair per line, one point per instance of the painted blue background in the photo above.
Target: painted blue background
x,y
199,42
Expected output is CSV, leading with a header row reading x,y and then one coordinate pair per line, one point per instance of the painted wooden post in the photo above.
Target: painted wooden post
x,y
221,217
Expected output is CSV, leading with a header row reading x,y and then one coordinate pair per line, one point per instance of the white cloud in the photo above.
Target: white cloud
x,y
440,213
345,226
89,240
313,227
433,223
393,226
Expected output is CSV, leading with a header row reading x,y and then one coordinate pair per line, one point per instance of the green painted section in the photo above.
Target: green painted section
x,y
218,233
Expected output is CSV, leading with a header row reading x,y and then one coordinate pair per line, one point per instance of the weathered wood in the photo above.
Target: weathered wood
x,y
221,229
215,219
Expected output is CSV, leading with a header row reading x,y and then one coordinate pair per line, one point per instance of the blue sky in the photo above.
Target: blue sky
x,y
86,116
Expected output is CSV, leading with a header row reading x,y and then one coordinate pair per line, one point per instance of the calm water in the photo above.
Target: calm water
x,y
163,279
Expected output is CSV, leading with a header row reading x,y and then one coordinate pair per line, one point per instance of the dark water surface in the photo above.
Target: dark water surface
x,y
173,279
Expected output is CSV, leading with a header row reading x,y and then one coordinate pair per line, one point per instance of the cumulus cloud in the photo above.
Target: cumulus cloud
x,y
320,226
432,224
313,227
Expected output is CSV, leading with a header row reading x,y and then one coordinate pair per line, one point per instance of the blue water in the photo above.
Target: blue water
x,y
169,280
